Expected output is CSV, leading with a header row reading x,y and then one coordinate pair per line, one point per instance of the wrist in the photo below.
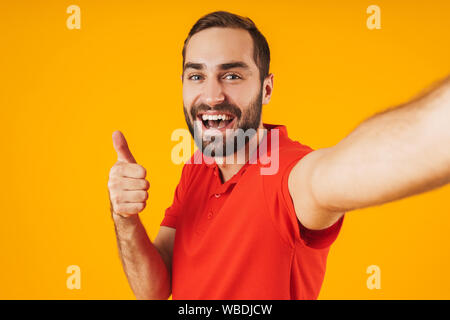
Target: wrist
x,y
120,219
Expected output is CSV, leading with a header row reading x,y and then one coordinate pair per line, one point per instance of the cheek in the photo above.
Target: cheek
x,y
242,95
236,93
188,97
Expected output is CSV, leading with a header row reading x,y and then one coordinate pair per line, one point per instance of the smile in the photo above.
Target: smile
x,y
216,120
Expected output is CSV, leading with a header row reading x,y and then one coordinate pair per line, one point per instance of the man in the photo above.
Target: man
x,y
234,233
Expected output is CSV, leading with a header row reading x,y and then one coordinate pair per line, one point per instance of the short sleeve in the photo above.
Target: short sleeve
x,y
320,238
317,239
173,212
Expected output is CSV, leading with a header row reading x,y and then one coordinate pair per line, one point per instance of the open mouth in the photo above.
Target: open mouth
x,y
216,120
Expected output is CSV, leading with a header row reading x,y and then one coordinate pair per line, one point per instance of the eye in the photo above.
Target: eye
x,y
194,75
232,75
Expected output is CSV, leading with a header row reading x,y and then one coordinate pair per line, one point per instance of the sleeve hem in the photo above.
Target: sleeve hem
x,y
320,239
169,221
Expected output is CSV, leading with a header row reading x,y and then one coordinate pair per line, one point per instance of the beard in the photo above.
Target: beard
x,y
245,126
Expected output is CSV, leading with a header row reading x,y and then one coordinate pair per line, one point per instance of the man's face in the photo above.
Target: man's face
x,y
221,87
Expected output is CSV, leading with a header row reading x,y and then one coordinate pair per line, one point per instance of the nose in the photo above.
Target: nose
x,y
213,92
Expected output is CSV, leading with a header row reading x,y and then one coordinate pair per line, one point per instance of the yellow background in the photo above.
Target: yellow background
x,y
63,92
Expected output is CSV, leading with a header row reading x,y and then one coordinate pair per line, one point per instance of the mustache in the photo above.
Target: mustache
x,y
224,106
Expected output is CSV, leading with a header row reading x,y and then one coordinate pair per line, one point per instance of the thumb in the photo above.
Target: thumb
x,y
121,147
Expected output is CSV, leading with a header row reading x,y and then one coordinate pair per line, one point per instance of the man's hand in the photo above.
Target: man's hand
x,y
127,184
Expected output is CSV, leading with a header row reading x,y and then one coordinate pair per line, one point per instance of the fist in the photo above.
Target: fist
x,y
127,185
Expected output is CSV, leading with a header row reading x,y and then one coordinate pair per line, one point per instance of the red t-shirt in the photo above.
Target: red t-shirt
x,y
241,239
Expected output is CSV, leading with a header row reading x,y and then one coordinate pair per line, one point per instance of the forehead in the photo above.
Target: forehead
x,y
214,46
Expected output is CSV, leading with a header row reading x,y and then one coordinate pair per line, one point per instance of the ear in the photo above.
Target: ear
x,y
267,88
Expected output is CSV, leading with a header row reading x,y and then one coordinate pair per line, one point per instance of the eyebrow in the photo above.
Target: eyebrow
x,y
223,66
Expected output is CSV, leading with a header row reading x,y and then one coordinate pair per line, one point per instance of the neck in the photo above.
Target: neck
x,y
228,166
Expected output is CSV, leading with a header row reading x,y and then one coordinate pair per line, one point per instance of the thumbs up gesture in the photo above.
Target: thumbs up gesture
x,y
127,184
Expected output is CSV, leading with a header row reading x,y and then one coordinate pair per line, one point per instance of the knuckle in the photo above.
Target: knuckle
x,y
112,184
116,170
115,198
112,172
115,207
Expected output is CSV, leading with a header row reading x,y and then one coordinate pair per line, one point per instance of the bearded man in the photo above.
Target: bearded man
x,y
234,231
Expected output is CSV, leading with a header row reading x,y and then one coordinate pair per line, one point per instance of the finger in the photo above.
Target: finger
x,y
129,208
134,184
121,183
129,170
121,147
133,196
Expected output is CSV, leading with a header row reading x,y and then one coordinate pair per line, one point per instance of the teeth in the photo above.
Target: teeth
x,y
215,117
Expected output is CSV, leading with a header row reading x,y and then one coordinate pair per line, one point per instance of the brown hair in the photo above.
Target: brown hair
x,y
223,19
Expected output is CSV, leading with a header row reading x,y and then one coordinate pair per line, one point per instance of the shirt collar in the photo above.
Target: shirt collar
x,y
211,162
258,154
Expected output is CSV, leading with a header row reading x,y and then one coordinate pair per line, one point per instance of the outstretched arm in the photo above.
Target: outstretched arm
x,y
395,154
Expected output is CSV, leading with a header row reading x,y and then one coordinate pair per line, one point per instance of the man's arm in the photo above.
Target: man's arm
x,y
147,265
392,155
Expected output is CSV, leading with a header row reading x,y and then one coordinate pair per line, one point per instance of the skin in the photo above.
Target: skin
x,y
392,155
211,48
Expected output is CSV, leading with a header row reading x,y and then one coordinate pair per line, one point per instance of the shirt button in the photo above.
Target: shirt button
x,y
217,195
210,215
